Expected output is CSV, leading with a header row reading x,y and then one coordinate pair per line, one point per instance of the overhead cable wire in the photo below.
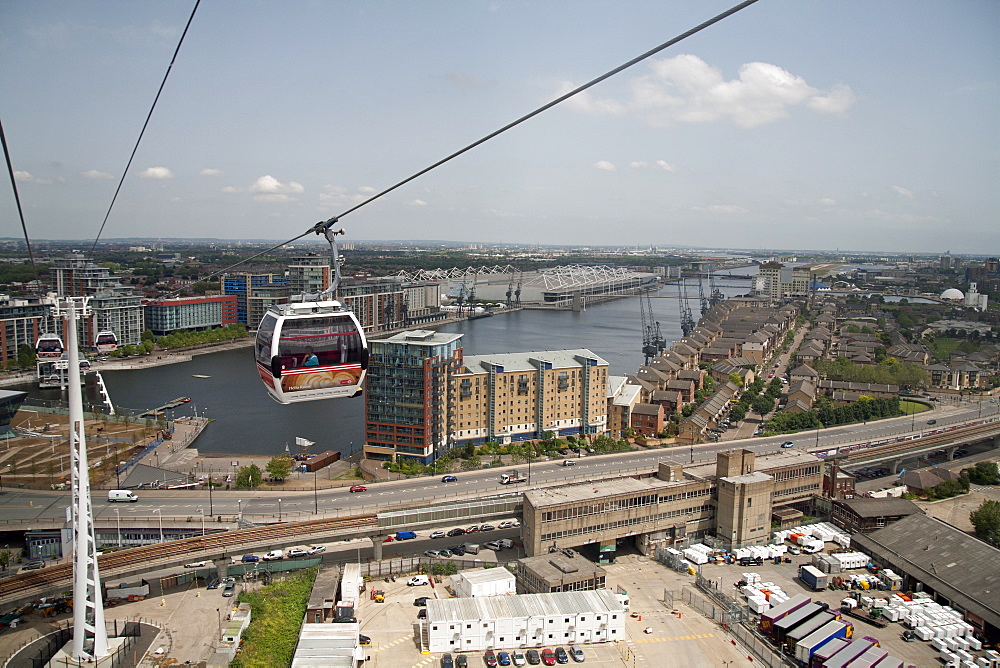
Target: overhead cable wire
x,y
318,227
144,125
17,197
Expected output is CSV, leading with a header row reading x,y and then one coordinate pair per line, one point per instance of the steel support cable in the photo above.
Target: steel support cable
x,y
135,149
319,226
17,197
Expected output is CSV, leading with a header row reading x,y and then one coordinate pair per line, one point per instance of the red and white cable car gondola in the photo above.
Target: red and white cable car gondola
x,y
49,346
106,342
312,350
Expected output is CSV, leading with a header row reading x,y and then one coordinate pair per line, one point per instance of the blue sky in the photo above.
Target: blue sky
x,y
793,124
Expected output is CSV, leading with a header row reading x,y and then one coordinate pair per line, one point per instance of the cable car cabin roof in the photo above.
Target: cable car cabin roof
x,y
307,308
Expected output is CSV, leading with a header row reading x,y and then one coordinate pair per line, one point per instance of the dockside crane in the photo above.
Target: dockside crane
x,y
701,296
717,297
687,320
653,342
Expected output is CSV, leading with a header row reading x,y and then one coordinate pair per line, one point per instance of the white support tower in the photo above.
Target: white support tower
x,y
90,635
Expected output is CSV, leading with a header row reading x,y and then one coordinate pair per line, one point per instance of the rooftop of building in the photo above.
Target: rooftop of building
x,y
523,605
421,337
747,478
880,507
952,562
555,567
514,362
483,575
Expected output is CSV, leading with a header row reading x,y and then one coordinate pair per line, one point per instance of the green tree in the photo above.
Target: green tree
x,y
762,405
249,476
737,413
984,473
986,520
26,356
280,466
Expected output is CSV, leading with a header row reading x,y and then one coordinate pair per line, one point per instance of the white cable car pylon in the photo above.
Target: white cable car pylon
x,y
314,348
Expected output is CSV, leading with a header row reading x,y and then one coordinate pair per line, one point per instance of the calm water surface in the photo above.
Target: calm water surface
x,y
247,421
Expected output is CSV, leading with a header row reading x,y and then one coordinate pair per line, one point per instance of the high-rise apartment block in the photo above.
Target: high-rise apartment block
x,y
114,307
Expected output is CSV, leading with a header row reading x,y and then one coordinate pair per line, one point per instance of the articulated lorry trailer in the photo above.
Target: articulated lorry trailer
x,y
780,611
808,646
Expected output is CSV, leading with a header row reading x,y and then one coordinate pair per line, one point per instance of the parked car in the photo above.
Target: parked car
x,y
506,524
449,478
229,586
418,580
213,582
576,653
421,601
461,661
568,462
438,534
317,549
446,661
250,559
486,527
490,658
473,529
458,550
561,655
432,553
444,553
364,640
274,555
517,656
503,658
548,657
358,488
532,656
788,444
422,614
388,539
294,552
196,564
456,532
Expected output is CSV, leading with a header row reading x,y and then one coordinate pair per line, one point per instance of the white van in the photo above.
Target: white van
x,y
121,495
274,555
418,580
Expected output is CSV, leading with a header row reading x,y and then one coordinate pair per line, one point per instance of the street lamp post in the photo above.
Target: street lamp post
x,y
118,516
211,507
239,506
159,517
201,511
315,496
279,510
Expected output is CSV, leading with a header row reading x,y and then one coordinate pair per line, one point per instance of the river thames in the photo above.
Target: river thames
x,y
248,422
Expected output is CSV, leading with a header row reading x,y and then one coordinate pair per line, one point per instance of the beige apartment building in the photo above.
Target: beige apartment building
x,y
520,396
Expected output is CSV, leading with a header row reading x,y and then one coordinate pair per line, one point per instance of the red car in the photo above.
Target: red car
x,y
491,659
473,529
548,657
358,488
389,539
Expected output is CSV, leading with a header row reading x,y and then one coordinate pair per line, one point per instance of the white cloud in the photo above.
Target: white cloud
x,y
95,174
826,201
156,173
269,189
28,177
604,165
210,172
721,208
659,164
417,202
339,196
686,89
903,192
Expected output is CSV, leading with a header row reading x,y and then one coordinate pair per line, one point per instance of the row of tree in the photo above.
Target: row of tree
x,y
887,372
825,414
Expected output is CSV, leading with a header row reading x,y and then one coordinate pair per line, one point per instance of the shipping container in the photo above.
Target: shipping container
x,y
813,577
827,650
805,628
845,656
792,620
318,461
782,610
871,658
805,648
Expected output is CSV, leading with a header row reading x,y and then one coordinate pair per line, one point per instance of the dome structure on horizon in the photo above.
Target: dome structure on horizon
x,y
953,294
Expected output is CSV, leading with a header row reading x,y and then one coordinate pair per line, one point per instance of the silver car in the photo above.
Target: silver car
x,y
576,653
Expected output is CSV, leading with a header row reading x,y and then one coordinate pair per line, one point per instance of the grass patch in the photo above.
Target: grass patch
x,y
910,407
942,347
277,611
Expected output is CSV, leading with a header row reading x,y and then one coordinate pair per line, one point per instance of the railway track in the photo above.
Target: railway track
x,y
60,576
902,446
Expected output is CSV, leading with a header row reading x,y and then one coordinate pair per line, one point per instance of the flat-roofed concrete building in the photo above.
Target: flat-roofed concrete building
x,y
732,499
554,572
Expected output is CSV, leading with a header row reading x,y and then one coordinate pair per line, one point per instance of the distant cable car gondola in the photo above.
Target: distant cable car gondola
x,y
312,350
49,346
106,342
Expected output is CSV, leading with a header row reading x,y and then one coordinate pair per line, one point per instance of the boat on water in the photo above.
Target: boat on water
x,y
199,375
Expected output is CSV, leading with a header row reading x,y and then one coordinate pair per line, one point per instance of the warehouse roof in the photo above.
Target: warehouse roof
x,y
523,605
483,575
947,559
880,507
